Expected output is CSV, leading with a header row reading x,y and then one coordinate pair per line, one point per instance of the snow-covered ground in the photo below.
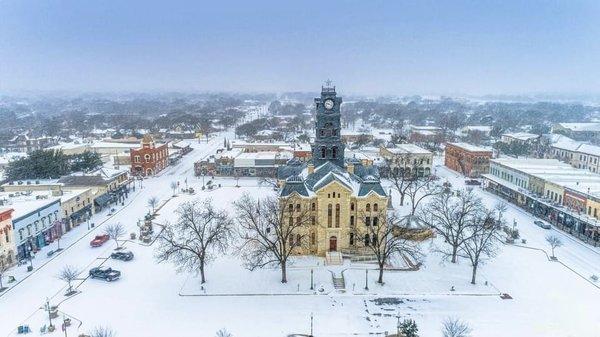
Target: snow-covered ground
x,y
549,298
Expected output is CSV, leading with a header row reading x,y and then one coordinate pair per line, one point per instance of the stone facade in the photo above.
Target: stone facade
x,y
341,197
328,144
7,242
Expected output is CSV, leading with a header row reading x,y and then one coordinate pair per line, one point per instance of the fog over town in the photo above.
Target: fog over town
x,y
297,169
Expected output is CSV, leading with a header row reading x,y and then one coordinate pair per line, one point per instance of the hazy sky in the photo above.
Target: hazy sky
x,y
402,47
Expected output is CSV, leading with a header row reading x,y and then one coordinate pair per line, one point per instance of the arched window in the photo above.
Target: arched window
x,y
290,208
313,206
368,221
297,207
337,215
334,152
375,221
375,207
323,152
313,221
368,207
298,239
329,213
313,238
147,157
367,241
351,206
352,221
351,239
291,221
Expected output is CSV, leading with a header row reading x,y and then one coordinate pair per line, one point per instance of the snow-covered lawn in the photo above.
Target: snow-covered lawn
x,y
548,298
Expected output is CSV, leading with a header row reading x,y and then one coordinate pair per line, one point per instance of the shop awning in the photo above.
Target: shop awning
x,y
102,200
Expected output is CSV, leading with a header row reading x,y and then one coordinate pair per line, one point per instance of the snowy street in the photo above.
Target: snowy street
x,y
153,298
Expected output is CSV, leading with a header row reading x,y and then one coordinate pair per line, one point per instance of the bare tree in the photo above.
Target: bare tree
x,y
152,203
450,215
268,181
223,333
68,274
420,189
102,331
115,232
379,232
174,187
481,238
399,173
271,230
192,242
554,242
453,327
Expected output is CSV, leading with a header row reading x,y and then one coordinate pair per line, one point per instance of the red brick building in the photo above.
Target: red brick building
x,y
150,158
469,160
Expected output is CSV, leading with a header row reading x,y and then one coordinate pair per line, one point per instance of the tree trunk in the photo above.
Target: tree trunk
x,y
283,273
401,199
380,279
202,272
454,253
474,274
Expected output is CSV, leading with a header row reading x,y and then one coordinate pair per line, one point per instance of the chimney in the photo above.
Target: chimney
x,y
311,168
350,168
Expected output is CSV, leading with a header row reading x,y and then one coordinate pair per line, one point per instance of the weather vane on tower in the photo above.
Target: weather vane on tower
x,y
328,83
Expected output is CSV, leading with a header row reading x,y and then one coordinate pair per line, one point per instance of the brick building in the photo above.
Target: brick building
x,y
150,158
469,160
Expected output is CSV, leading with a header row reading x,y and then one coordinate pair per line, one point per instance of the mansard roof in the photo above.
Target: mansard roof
x,y
361,183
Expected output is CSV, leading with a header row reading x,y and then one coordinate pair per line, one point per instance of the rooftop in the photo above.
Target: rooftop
x,y
407,148
470,147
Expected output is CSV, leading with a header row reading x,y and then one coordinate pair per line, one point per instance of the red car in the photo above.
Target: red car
x,y
99,240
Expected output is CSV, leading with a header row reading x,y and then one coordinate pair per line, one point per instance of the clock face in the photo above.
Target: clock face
x,y
328,104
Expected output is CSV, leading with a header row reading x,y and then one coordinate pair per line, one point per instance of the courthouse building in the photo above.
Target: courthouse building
x,y
341,196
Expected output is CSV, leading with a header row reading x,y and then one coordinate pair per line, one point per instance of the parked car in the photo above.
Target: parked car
x,y
105,273
472,182
122,255
542,224
99,240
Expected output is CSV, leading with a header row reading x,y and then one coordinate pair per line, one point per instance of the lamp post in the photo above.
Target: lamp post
x,y
367,279
311,280
311,324
48,310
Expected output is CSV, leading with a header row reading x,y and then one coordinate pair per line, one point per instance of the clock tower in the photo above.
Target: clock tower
x,y
328,144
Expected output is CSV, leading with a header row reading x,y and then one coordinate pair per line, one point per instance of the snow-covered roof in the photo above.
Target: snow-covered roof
x,y
523,136
408,148
581,127
470,147
579,147
555,172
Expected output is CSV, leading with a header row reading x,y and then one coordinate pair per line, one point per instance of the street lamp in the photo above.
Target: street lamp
x,y
367,279
311,280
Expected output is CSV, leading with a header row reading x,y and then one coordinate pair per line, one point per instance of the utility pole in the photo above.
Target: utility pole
x,y
311,324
